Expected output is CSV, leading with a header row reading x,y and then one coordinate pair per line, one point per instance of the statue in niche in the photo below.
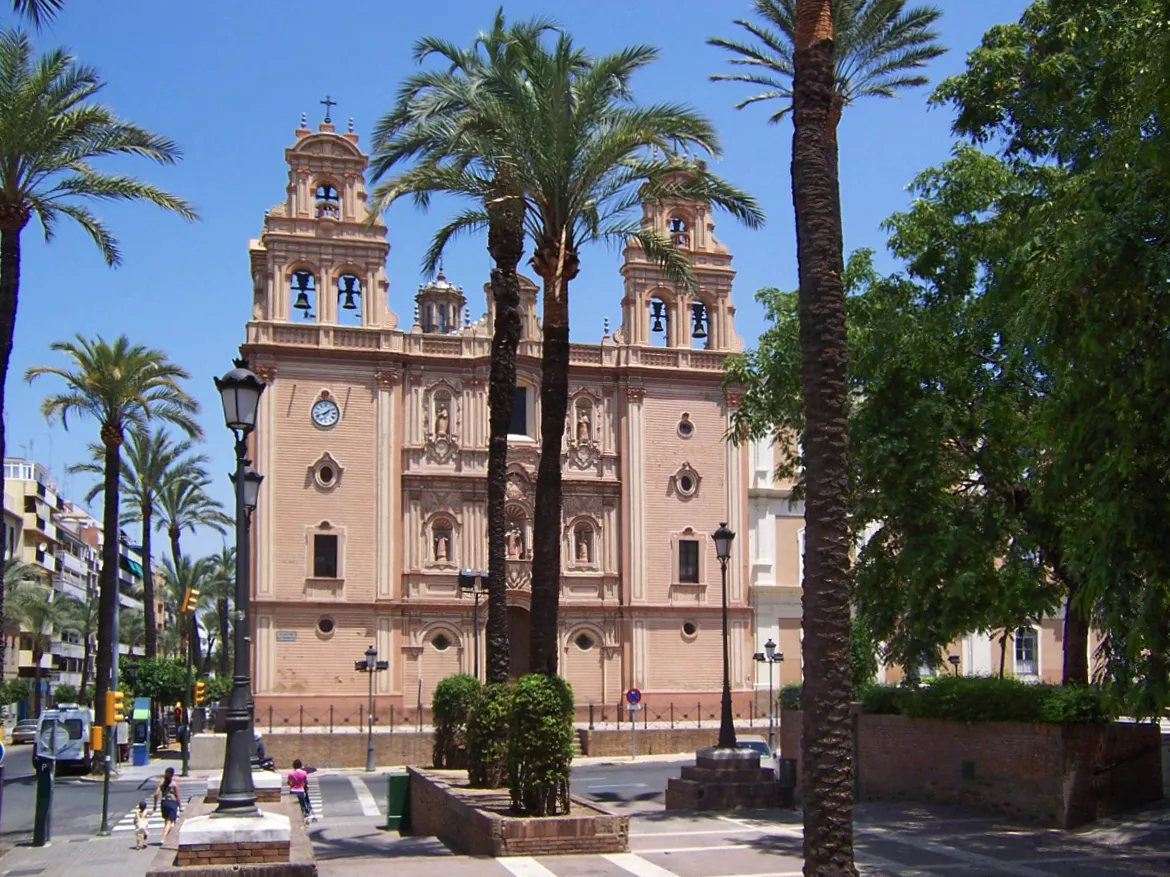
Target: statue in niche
x,y
584,426
583,545
441,546
442,419
513,544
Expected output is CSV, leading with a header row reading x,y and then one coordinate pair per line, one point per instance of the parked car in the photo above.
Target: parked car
x,y
768,758
25,731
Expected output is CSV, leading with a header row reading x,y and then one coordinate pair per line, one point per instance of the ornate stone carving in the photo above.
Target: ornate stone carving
x,y
519,575
387,379
266,373
435,501
732,398
635,394
514,543
581,506
441,419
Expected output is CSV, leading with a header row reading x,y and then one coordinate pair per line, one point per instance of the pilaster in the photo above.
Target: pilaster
x,y
735,483
264,518
636,491
386,381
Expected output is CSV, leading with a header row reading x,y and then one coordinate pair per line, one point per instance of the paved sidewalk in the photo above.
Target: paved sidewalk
x,y
113,856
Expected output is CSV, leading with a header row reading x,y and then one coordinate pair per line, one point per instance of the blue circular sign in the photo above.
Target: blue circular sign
x,y
633,696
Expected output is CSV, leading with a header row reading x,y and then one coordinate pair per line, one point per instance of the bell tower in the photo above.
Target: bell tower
x,y
658,311
317,261
440,305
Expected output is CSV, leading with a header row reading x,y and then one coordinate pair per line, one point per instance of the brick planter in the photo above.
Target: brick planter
x,y
1057,775
470,821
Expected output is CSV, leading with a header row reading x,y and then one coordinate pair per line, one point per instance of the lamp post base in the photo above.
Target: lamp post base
x,y
726,779
234,840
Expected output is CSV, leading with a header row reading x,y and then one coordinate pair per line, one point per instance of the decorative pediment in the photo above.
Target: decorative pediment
x,y
686,481
447,502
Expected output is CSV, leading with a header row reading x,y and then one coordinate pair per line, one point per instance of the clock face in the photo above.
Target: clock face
x,y
326,413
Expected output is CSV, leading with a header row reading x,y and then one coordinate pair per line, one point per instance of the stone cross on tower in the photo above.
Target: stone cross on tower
x,y
329,104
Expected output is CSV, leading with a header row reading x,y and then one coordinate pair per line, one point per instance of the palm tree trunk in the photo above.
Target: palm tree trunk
x,y
546,528
108,589
86,654
38,656
225,666
9,294
151,645
506,246
828,748
176,552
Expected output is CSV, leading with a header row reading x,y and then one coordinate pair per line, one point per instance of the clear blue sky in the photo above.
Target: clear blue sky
x,y
229,81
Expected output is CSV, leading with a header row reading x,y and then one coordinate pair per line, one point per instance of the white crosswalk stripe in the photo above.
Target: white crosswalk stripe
x,y
315,799
154,823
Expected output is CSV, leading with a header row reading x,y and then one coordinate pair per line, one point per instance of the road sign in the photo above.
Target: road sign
x,y
633,707
633,696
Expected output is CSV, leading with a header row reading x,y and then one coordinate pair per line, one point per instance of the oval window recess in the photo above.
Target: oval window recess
x,y
584,642
686,484
325,474
441,643
325,626
690,629
685,428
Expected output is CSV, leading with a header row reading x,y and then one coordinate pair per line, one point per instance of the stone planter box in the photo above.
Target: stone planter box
x,y
476,821
1057,775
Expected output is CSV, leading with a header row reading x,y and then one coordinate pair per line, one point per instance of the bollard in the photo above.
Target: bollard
x,y
330,718
391,718
301,726
590,717
270,718
43,808
698,715
672,715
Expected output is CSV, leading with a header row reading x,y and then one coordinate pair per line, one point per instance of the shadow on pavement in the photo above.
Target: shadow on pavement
x,y
358,841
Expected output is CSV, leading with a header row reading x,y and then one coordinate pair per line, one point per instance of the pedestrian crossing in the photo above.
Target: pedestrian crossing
x,y
154,823
315,800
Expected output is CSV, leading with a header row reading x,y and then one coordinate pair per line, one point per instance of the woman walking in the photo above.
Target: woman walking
x,y
168,793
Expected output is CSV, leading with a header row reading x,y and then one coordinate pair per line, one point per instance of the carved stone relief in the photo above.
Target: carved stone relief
x,y
583,429
441,422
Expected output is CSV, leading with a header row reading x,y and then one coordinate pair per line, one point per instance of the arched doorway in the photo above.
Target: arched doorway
x,y
518,624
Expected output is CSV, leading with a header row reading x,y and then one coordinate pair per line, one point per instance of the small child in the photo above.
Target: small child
x,y
141,820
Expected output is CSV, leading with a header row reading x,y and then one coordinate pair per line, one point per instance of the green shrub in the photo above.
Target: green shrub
x,y
540,745
15,691
218,687
988,699
790,696
451,704
862,659
65,693
487,738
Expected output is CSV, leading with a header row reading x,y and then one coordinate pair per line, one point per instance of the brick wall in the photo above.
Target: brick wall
x,y
1060,775
653,741
320,749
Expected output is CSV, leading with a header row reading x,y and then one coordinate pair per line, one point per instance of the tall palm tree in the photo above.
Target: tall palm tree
x,y
39,616
184,505
15,572
52,131
131,628
121,386
38,12
429,105
178,576
83,617
582,154
151,458
816,57
221,588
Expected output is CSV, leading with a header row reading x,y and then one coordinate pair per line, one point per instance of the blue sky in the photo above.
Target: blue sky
x,y
229,82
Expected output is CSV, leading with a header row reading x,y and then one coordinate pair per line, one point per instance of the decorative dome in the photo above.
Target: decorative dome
x,y
440,304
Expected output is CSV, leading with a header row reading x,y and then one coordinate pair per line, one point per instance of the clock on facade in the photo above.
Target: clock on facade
x,y
326,413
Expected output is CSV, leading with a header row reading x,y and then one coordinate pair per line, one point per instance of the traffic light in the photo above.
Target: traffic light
x,y
119,707
200,693
190,598
95,738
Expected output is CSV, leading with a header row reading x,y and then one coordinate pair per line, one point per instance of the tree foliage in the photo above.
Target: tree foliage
x,y
163,680
487,737
540,745
451,705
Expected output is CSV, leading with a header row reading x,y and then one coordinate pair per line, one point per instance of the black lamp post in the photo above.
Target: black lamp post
x,y
723,538
370,666
240,391
770,656
954,662
472,580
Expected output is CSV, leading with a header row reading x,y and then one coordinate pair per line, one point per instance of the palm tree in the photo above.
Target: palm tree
x,y
815,57
131,628
221,588
38,12
582,154
83,617
53,130
15,572
150,459
178,577
170,643
122,386
428,105
183,504
33,608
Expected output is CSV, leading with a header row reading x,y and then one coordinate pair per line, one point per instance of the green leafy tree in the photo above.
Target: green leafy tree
x,y
15,691
122,386
451,705
815,57
64,693
431,105
163,680
83,618
1091,138
31,607
52,131
150,459
185,506
540,745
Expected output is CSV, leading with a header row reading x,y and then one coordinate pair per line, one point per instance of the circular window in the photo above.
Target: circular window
x,y
584,642
686,484
690,629
441,643
685,428
324,626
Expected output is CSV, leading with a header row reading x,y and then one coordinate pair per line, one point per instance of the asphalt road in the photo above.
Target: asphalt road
x,y
627,786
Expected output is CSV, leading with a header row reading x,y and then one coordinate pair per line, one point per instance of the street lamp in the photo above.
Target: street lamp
x,y
723,538
370,666
954,662
472,580
770,656
240,391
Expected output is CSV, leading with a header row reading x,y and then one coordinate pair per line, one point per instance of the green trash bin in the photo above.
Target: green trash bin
x,y
398,802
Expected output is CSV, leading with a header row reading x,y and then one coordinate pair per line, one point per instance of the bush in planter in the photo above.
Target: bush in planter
x,y
790,696
487,738
451,704
540,745
989,699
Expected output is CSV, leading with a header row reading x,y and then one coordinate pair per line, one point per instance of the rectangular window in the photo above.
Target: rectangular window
x,y
688,561
324,556
30,504
1025,652
520,413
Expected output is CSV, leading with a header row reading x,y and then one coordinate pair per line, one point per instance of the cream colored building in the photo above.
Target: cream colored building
x,y
372,437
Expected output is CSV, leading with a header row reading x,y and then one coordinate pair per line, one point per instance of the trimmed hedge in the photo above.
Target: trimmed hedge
x,y
989,699
790,696
487,738
452,703
540,745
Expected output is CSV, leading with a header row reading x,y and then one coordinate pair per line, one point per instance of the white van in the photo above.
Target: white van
x,y
63,734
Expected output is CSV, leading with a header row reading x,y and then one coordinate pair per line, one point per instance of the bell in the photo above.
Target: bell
x,y
656,311
349,304
347,289
302,302
699,317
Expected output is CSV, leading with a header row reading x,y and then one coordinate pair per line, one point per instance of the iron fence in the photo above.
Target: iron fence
x,y
335,719
674,715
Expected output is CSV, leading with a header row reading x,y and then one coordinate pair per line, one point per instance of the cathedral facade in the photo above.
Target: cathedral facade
x,y
373,440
